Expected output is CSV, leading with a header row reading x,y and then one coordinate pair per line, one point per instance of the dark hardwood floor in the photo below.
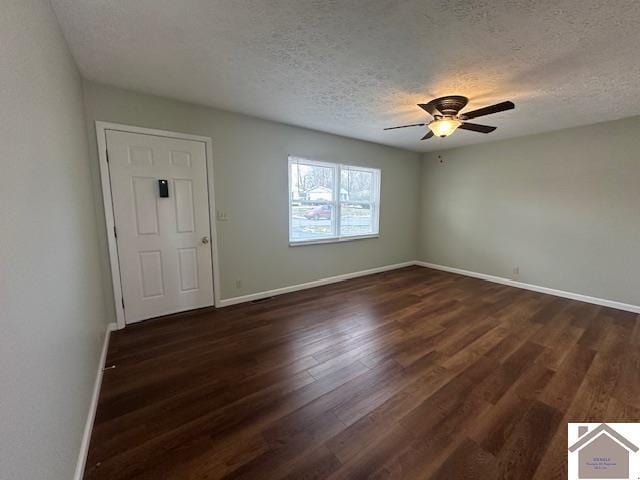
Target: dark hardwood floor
x,y
412,373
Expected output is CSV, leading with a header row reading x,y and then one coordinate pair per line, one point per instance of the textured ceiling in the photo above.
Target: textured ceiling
x,y
353,67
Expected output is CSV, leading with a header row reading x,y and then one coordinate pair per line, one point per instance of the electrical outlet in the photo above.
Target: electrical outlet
x,y
222,216
238,283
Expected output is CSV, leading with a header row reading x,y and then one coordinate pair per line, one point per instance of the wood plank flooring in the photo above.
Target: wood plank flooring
x,y
413,373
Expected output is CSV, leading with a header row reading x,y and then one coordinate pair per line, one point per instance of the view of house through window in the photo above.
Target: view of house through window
x,y
331,202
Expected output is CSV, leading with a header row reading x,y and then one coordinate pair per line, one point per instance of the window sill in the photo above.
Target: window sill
x,y
299,243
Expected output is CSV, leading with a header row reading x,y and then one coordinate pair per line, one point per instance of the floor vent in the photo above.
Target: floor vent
x,y
260,300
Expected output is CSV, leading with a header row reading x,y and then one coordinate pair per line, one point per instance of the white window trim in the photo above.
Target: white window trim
x,y
337,203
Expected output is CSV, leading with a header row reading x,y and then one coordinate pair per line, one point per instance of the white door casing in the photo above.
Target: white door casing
x,y
163,244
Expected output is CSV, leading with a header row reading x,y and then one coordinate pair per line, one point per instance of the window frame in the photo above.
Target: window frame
x,y
336,204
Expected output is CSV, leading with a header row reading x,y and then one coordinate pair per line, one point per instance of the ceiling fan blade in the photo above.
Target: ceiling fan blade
x,y
428,135
498,107
405,126
429,108
474,127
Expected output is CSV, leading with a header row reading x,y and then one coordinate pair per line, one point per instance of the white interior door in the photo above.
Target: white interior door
x,y
163,242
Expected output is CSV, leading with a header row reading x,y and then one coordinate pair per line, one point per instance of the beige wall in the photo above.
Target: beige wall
x,y
250,168
563,206
52,310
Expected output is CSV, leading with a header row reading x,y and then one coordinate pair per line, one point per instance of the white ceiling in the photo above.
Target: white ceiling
x,y
353,67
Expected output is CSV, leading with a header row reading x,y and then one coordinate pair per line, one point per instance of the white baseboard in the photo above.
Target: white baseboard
x,y
490,278
550,291
86,437
316,283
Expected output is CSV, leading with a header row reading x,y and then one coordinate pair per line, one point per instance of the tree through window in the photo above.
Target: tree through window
x,y
331,202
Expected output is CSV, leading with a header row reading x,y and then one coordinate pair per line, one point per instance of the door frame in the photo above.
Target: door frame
x,y
101,134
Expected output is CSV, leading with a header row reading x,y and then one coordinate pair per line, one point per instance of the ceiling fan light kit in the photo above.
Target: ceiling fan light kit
x,y
445,126
447,117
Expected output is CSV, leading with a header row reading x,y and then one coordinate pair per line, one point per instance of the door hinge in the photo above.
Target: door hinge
x,y
122,298
106,152
115,232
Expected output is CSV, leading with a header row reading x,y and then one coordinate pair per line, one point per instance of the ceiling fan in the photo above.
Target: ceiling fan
x,y
446,116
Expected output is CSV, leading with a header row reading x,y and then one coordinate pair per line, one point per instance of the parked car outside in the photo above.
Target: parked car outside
x,y
319,212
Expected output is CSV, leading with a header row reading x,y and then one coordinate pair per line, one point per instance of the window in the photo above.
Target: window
x,y
330,202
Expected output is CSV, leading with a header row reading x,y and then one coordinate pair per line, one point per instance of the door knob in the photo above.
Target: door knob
x,y
205,239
